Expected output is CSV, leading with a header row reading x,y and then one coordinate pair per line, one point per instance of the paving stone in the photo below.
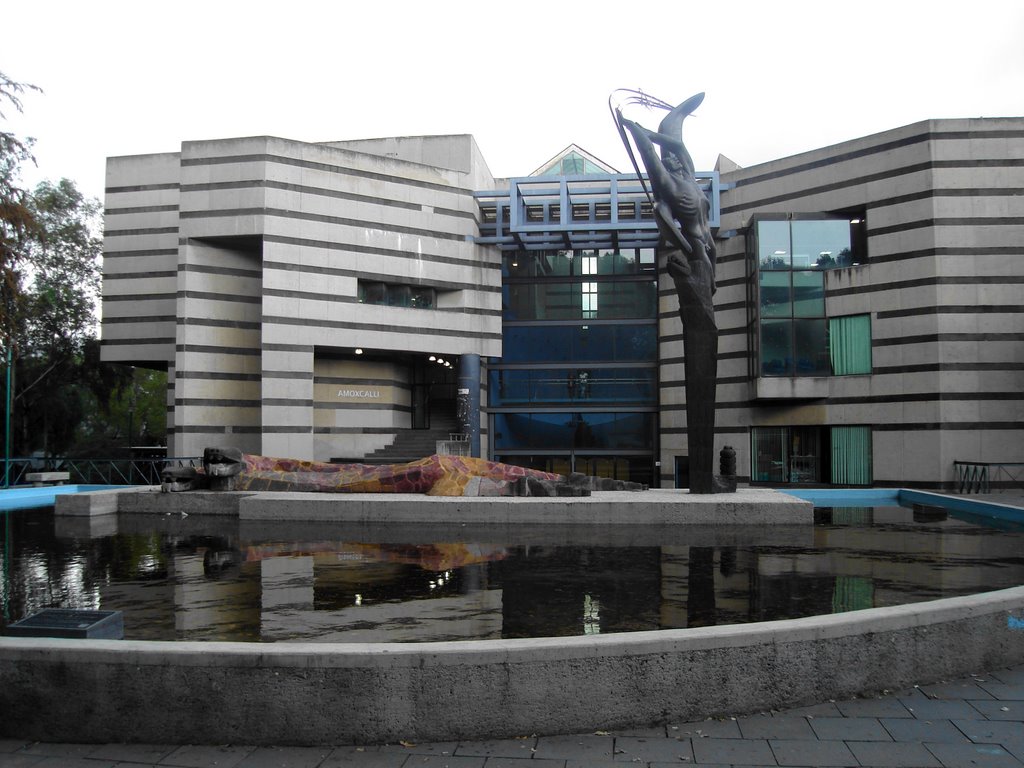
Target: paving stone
x,y
498,747
882,754
941,709
993,732
363,757
426,748
73,762
706,729
1004,691
520,762
19,760
812,753
828,709
960,689
285,757
781,727
12,745
590,764
923,730
732,751
653,732
633,749
579,747
1000,710
1014,676
981,755
887,707
197,756
443,761
46,749
849,729
133,753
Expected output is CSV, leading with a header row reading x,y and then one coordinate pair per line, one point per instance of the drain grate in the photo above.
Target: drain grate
x,y
69,622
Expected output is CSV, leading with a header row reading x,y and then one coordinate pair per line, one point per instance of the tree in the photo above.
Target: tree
x,y
56,317
16,220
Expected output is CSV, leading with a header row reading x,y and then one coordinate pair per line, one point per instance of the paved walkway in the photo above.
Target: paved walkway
x,y
978,721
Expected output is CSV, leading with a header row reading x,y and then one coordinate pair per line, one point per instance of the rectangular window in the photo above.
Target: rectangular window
x,y
849,344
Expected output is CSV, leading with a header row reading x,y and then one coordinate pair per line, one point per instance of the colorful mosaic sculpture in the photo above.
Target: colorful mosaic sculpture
x,y
228,469
434,476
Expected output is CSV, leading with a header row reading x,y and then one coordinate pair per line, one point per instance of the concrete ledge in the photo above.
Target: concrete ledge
x,y
652,507
89,504
748,506
307,693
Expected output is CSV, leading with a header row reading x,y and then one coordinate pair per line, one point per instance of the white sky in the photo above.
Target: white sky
x,y
526,78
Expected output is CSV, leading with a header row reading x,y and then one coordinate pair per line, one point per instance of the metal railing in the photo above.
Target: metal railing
x,y
98,471
981,476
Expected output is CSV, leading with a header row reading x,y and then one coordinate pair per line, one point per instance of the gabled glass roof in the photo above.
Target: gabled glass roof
x,y
573,161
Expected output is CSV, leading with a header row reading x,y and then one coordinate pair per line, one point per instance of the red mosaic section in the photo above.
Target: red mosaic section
x,y
435,476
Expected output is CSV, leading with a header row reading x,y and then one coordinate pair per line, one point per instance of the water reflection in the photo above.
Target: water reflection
x,y
217,579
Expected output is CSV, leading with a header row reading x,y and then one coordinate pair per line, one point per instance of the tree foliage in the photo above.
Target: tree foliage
x,y
65,400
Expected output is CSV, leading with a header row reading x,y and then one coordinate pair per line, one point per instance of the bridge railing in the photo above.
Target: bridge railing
x,y
97,471
983,476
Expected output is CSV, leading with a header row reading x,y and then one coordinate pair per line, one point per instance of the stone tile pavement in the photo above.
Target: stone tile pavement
x,y
978,721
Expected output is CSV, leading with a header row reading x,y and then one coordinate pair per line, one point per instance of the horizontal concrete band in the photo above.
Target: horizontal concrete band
x,y
651,507
307,693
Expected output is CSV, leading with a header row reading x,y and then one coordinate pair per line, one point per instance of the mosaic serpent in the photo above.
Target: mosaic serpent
x,y
228,469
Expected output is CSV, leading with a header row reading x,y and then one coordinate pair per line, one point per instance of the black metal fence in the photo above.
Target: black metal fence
x,y
97,471
984,477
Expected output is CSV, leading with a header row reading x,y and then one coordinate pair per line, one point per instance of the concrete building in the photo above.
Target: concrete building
x,y
357,300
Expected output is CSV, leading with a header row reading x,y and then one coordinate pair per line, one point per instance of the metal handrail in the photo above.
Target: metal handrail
x,y
978,476
99,471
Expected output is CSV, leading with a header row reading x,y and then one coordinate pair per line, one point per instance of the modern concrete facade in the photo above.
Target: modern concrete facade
x,y
255,269
239,266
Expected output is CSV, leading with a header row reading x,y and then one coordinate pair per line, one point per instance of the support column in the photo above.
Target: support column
x,y
468,400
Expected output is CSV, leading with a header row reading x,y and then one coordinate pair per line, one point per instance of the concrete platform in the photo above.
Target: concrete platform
x,y
748,506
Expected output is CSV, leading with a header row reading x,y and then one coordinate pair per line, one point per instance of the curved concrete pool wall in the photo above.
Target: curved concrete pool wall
x,y
215,693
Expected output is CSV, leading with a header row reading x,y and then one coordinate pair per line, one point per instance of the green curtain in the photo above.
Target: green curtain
x,y
851,455
849,344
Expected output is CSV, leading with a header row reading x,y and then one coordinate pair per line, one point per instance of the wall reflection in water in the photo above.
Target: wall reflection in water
x,y
217,579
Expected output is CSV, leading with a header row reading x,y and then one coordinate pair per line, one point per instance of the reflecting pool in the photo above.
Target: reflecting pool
x,y
195,578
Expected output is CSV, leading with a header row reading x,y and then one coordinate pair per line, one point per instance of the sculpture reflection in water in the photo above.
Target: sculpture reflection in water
x,y
686,247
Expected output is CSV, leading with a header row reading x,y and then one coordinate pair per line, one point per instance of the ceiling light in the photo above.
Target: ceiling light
x,y
359,351
431,358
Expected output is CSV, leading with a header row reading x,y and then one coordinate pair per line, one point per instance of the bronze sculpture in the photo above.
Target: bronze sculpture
x,y
687,247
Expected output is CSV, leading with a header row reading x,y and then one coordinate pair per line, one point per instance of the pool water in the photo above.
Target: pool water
x,y
220,579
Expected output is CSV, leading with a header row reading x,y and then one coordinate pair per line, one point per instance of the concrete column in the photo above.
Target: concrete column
x,y
468,400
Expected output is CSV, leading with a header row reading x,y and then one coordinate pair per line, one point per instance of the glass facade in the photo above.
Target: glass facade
x,y
577,384
787,259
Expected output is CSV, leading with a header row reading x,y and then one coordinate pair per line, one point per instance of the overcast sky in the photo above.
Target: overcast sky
x,y
525,78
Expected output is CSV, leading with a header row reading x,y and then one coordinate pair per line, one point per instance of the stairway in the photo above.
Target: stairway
x,y
413,444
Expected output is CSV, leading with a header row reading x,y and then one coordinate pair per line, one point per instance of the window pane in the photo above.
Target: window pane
x,y
773,244
776,348
636,343
422,298
811,353
808,294
776,295
769,452
537,344
372,293
849,344
399,295
821,243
